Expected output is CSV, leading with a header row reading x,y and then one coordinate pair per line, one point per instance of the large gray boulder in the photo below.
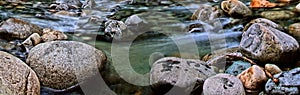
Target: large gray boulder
x,y
62,64
176,75
16,78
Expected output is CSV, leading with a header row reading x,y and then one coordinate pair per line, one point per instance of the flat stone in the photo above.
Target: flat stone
x,y
16,78
62,64
186,74
223,84
277,15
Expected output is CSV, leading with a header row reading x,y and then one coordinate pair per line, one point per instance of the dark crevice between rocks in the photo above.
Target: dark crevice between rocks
x,y
26,83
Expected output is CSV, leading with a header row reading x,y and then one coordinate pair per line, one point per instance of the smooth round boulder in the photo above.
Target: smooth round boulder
x,y
184,76
16,78
223,84
62,64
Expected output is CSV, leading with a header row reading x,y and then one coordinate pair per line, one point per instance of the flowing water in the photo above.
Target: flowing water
x,y
166,33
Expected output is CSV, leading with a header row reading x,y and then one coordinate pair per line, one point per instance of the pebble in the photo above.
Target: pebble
x,y
266,44
173,72
62,64
235,8
223,84
272,69
253,78
288,83
16,78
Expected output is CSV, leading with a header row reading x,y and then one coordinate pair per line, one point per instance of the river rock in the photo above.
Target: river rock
x,y
62,64
288,83
294,30
16,78
52,35
272,69
253,78
266,44
186,74
298,7
15,28
265,22
206,12
237,67
66,4
223,84
277,15
235,8
114,28
32,40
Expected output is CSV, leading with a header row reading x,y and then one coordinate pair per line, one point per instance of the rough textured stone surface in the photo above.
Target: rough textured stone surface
x,y
206,12
277,15
236,8
114,28
294,30
61,64
237,67
265,22
52,35
267,44
288,83
272,69
186,74
16,78
15,28
223,84
32,40
253,78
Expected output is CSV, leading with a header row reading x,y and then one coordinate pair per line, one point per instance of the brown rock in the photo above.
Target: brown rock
x,y
223,84
15,28
186,74
294,30
16,78
266,44
253,78
53,35
32,40
277,15
272,69
65,13
235,8
206,12
62,64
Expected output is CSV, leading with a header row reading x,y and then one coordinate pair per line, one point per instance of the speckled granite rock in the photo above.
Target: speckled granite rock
x,y
186,74
62,64
16,78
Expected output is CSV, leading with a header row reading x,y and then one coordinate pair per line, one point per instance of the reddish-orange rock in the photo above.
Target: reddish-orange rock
x,y
261,4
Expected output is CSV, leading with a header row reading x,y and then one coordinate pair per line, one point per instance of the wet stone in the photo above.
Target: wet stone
x,y
288,83
223,84
277,15
186,74
16,78
235,8
63,64
207,12
253,78
15,28
237,67
266,44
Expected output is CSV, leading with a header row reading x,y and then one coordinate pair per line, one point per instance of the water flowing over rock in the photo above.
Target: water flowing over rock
x,y
288,83
223,84
62,64
15,28
181,75
267,44
16,78
235,8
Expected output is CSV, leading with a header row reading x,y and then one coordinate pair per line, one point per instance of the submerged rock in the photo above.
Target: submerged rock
x,y
267,44
15,28
277,15
235,8
288,83
16,78
184,75
223,84
62,64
